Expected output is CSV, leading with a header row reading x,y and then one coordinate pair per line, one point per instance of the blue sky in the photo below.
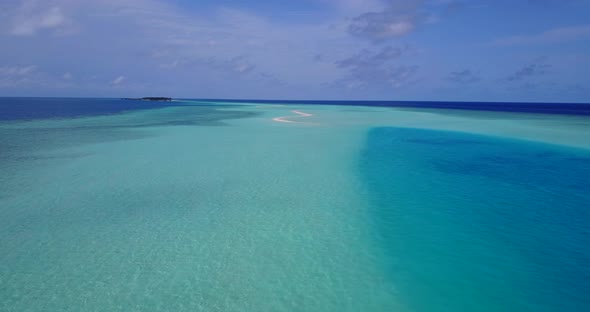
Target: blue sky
x,y
458,50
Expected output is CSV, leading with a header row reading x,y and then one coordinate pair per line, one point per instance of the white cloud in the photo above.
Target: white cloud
x,y
17,70
32,17
118,81
11,76
32,76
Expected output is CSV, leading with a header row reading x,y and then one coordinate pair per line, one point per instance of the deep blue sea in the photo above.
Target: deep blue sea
x,y
14,108
39,108
520,107
118,205
473,223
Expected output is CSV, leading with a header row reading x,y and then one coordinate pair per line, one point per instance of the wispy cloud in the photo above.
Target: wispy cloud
x,y
399,18
535,69
170,65
11,76
32,17
369,68
557,35
354,6
369,58
117,82
32,76
17,70
465,76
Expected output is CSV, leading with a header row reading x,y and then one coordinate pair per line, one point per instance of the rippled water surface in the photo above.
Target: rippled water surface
x,y
196,206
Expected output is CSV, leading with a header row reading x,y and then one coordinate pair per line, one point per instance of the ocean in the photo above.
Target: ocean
x,y
217,205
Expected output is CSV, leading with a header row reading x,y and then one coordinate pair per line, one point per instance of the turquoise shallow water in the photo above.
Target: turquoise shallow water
x,y
222,208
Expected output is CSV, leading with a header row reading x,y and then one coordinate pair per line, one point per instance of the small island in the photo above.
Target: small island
x,y
166,99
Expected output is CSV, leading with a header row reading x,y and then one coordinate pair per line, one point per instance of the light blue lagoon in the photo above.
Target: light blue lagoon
x,y
211,206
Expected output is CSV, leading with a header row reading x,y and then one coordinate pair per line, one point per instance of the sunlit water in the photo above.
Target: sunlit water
x,y
221,208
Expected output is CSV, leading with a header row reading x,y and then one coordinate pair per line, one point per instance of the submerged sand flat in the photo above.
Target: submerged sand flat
x,y
247,216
